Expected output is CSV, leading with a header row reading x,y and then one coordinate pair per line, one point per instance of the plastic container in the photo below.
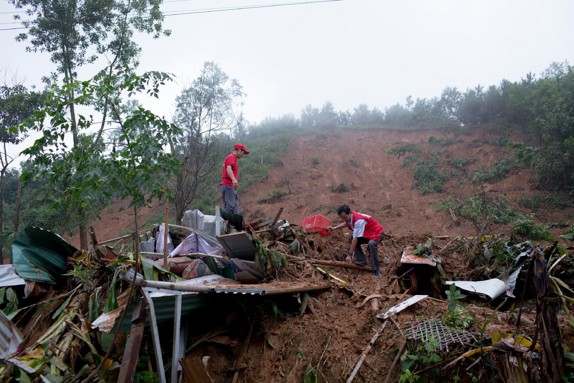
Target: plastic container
x,y
316,224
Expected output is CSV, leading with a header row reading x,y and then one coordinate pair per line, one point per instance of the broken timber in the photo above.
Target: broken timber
x,y
132,348
323,262
384,316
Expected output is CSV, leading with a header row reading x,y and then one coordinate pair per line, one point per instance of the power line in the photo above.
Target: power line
x,y
208,10
241,8
10,29
11,12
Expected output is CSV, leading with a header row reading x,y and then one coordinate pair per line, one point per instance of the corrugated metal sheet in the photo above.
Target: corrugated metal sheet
x,y
40,255
10,337
165,307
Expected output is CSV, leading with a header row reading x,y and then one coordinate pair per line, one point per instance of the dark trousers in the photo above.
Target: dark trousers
x,y
372,245
230,201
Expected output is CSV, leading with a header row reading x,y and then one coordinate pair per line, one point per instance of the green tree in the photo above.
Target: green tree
x,y
17,105
207,111
86,174
398,116
76,33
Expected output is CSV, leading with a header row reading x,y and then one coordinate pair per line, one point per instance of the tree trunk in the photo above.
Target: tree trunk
x,y
2,214
82,227
17,207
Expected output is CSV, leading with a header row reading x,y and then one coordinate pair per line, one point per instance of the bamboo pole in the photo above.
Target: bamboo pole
x,y
165,233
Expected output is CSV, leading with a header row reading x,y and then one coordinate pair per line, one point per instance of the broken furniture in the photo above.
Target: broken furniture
x,y
419,275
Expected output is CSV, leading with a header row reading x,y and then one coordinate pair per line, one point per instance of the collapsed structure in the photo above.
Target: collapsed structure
x,y
194,304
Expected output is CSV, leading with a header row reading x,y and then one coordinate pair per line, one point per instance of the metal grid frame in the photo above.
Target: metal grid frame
x,y
425,330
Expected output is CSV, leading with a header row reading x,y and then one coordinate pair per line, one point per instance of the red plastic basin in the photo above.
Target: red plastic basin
x,y
316,224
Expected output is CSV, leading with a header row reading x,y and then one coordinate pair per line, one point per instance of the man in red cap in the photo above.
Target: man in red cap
x,y
229,182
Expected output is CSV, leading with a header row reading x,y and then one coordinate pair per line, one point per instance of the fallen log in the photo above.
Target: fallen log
x,y
324,262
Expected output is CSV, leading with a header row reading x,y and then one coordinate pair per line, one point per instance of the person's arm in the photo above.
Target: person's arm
x,y
335,227
349,257
230,174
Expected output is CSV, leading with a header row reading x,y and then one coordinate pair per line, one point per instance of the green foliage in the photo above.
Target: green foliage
x,y
440,141
341,188
568,235
8,300
315,161
483,208
527,228
403,149
493,173
76,38
424,355
459,318
146,377
137,167
311,375
537,200
276,195
270,262
460,163
428,178
423,250
500,141
454,296
409,377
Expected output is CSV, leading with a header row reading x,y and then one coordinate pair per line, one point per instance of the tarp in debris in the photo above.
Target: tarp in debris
x,y
8,277
40,255
195,243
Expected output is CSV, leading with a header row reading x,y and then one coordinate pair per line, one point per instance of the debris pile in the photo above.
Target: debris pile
x,y
272,302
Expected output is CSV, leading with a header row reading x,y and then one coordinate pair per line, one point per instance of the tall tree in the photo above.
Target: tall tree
x,y
16,106
78,32
206,111
137,166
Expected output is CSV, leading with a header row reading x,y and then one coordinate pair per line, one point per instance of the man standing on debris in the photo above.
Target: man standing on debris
x,y
367,230
229,182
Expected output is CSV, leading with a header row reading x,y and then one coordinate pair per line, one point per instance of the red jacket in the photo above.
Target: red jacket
x,y
373,229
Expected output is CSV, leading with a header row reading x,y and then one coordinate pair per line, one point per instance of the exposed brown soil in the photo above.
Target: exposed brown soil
x,y
331,335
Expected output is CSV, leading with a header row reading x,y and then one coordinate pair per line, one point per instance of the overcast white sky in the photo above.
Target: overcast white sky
x,y
349,52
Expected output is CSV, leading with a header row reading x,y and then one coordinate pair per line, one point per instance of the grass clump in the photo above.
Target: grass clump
x,y
440,141
460,163
527,228
341,188
497,172
276,195
482,208
536,201
428,178
403,149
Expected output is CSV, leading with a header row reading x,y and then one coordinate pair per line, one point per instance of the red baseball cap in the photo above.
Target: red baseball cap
x,y
241,147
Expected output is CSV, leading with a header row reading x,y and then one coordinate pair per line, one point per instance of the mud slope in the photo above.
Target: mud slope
x,y
379,183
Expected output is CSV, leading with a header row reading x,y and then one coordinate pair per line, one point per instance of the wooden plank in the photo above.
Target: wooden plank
x,y
193,371
365,352
401,306
133,344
